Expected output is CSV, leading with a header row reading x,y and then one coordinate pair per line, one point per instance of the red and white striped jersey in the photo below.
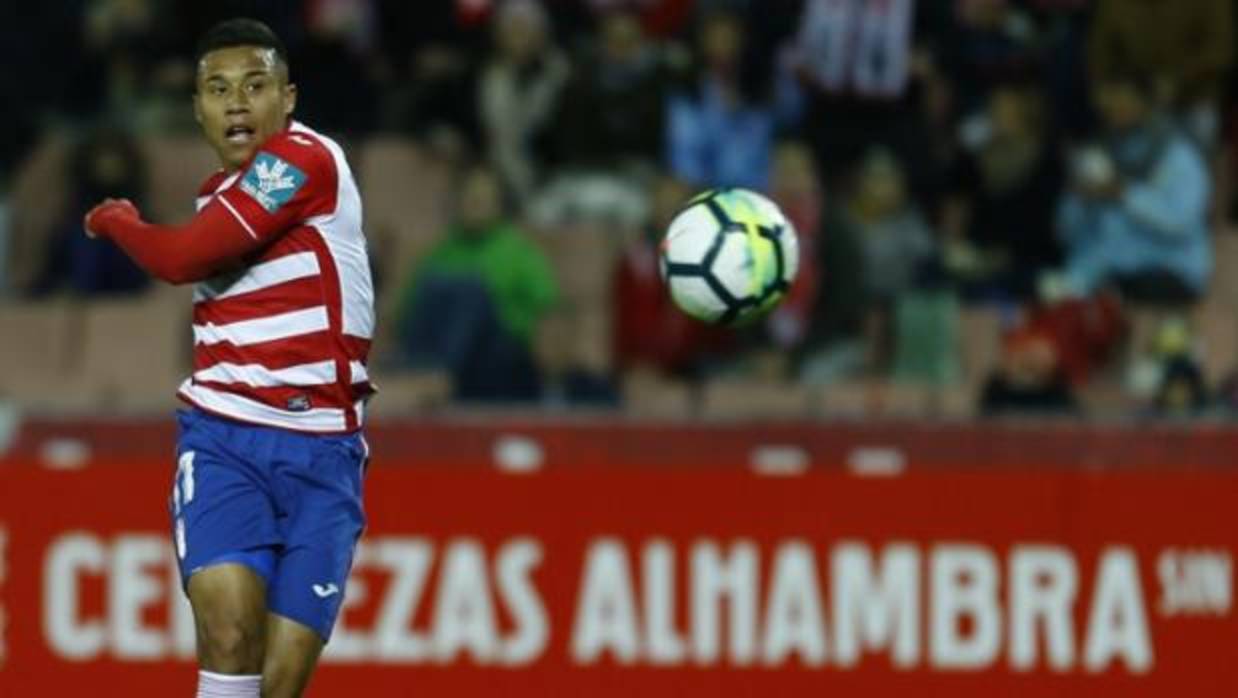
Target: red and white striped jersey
x,y
283,340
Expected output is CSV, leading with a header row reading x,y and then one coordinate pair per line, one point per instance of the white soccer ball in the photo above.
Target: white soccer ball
x,y
729,256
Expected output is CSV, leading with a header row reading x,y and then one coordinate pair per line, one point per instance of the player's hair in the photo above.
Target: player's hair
x,y
240,31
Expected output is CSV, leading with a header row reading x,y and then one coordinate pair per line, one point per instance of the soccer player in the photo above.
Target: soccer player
x,y
266,502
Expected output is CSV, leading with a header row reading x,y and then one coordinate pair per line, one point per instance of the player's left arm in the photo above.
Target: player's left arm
x,y
289,180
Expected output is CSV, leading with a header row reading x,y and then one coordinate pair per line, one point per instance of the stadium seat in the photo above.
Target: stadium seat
x,y
402,393
848,400
1217,333
1223,287
584,260
41,343
405,195
136,350
980,329
878,399
1105,396
956,402
38,199
405,198
752,399
650,397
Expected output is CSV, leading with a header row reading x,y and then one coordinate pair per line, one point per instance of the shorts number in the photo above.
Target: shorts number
x,y
182,490
182,495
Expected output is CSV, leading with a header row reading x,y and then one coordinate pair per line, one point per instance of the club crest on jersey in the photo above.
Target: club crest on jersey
x,y
272,182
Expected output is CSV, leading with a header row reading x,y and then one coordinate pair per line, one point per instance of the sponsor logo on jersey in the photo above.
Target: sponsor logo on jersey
x,y
272,182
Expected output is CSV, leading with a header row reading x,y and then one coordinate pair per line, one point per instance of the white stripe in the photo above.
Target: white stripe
x,y
357,372
266,329
341,229
260,276
259,376
201,202
246,410
245,223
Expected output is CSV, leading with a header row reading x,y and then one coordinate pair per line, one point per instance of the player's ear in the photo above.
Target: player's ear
x,y
290,99
197,108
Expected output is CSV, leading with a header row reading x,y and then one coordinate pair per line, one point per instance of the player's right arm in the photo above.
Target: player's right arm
x,y
210,243
290,179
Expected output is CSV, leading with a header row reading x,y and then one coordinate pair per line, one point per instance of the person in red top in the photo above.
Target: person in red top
x,y
266,504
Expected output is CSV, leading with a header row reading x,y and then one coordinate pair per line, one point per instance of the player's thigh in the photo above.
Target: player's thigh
x,y
292,651
230,618
224,531
324,520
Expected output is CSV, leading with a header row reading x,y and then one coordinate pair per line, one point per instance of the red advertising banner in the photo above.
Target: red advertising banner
x,y
765,578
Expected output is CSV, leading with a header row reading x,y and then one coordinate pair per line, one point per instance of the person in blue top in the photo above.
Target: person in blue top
x,y
1136,217
719,130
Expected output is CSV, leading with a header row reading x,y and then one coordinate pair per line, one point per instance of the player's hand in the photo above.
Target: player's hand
x,y
101,220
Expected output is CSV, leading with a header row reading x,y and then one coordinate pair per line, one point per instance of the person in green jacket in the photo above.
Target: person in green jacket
x,y
473,304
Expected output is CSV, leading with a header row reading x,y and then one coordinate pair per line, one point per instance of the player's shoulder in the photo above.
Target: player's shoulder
x,y
304,148
212,183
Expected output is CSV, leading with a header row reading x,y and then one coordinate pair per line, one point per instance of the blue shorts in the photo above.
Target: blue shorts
x,y
284,503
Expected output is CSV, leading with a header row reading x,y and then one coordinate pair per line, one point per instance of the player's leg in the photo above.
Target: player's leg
x,y
320,500
230,618
292,651
225,534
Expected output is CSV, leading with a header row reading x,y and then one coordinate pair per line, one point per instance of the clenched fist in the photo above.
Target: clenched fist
x,y
101,220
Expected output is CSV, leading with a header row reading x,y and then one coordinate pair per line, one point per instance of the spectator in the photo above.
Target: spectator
x,y
334,68
608,133
1030,380
719,127
894,238
999,219
612,111
1137,214
519,92
432,56
796,188
1064,59
858,62
993,41
1184,48
106,164
893,248
473,304
565,377
1182,392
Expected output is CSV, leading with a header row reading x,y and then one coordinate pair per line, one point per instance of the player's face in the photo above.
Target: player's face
x,y
242,99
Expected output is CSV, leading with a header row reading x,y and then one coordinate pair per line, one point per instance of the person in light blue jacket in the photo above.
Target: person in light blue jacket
x,y
719,129
1136,216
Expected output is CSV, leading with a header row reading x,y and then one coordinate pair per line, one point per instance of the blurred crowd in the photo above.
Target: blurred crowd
x,y
1003,206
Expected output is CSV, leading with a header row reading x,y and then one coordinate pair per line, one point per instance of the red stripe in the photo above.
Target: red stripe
x,y
335,320
281,353
212,183
280,396
302,238
357,348
297,294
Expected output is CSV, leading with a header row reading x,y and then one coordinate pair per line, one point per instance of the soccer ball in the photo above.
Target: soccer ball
x,y
729,256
